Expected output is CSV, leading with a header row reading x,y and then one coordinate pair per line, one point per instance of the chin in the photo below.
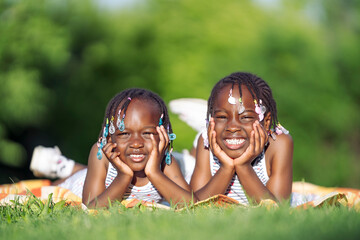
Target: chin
x,y
234,153
137,167
233,150
233,156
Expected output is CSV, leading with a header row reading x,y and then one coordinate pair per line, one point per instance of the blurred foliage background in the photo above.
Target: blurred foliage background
x,y
62,60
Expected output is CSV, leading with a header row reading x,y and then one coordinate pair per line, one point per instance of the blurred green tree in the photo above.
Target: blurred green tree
x,y
61,61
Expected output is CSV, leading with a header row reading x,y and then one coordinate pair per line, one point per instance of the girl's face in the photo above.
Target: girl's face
x,y
233,129
134,143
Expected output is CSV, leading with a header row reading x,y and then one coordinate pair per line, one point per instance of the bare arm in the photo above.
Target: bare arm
x,y
202,173
170,183
281,177
95,194
278,188
204,184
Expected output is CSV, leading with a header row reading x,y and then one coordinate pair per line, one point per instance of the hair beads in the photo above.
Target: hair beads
x,y
241,106
120,123
103,140
204,133
260,109
119,104
172,137
280,129
161,120
112,127
168,156
231,99
100,146
257,87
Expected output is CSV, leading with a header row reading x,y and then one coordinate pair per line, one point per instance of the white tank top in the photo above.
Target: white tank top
x,y
235,190
147,193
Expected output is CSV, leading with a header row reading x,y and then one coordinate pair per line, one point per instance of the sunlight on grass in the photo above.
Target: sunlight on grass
x,y
37,220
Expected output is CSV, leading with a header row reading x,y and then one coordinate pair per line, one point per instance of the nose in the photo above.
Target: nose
x,y
136,141
233,125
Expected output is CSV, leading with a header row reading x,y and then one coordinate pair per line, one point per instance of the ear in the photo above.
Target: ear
x,y
267,121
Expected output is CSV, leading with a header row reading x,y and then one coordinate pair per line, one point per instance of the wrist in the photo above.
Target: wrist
x,y
128,175
153,170
151,173
229,169
243,168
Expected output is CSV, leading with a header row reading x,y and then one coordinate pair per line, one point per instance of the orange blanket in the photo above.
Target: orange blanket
x,y
42,188
349,197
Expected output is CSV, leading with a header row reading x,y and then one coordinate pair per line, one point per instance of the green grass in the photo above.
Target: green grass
x,y
60,222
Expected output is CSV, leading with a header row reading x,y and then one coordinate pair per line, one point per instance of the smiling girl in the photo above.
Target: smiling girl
x,y
132,159
245,154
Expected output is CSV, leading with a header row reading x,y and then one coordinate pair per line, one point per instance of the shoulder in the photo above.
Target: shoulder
x,y
284,141
94,161
94,148
93,153
280,150
169,168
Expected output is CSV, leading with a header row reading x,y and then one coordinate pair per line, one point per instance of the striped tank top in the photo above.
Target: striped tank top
x,y
235,190
147,193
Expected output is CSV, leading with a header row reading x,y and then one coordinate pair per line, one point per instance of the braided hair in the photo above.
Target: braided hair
x,y
124,98
257,87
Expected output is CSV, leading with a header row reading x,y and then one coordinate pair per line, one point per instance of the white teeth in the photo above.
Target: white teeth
x,y
235,141
136,155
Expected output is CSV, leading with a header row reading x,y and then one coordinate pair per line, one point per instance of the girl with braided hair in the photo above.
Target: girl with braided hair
x,y
136,140
131,160
245,153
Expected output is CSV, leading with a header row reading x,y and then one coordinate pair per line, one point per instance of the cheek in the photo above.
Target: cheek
x,y
120,145
148,143
117,140
248,128
219,126
219,129
120,148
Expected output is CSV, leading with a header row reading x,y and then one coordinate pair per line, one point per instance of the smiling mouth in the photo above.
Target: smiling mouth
x,y
137,157
234,143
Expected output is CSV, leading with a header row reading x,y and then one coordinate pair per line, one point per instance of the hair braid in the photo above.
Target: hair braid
x,y
125,97
257,87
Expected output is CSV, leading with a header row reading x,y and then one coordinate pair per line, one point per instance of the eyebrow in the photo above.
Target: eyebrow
x,y
246,111
222,110
153,127
249,110
150,127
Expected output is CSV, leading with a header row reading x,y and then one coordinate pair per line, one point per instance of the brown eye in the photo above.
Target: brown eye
x,y
147,134
122,135
220,117
247,117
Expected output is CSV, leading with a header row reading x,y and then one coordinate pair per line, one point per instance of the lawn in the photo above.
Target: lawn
x,y
65,222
